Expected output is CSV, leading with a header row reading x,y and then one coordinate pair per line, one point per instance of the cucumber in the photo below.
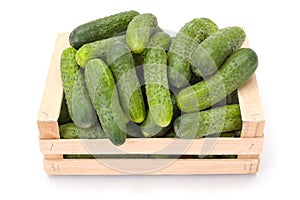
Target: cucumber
x,y
96,49
133,130
139,32
160,39
71,131
186,40
217,120
212,52
235,71
150,129
79,104
101,28
103,92
64,116
157,90
121,63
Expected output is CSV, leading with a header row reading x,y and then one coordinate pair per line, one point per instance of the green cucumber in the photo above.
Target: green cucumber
x,y
235,71
160,39
71,131
139,31
150,129
101,28
103,92
157,89
186,40
79,104
217,120
212,52
96,49
121,63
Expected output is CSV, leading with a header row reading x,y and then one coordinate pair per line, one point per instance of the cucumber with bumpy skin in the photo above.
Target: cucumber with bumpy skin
x,y
160,39
235,71
121,63
211,53
186,40
101,28
157,89
217,120
96,49
71,131
150,129
79,104
103,92
139,32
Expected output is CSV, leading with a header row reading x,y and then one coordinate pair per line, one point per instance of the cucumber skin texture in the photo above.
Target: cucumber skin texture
x,y
186,40
96,49
121,63
212,52
103,92
101,28
234,72
79,104
157,89
71,131
150,129
199,124
139,32
160,39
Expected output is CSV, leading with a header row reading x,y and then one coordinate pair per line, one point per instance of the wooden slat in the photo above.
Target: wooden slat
x,y
141,166
176,146
53,92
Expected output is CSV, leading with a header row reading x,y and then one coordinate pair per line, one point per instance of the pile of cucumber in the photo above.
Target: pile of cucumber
x,y
123,76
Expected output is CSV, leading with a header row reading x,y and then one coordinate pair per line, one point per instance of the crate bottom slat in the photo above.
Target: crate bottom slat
x,y
175,167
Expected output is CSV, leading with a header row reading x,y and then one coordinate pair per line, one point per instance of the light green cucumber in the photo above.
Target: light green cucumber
x,y
211,53
71,131
101,28
103,92
150,129
79,104
157,89
139,32
186,40
160,39
217,120
235,71
121,63
96,49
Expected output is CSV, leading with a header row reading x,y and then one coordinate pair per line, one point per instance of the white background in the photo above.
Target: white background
x,y
28,32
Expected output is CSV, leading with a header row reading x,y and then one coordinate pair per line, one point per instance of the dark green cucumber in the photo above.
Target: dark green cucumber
x,y
212,52
139,32
64,116
217,120
101,28
121,63
150,129
157,89
160,39
79,104
235,71
96,49
186,40
71,131
103,92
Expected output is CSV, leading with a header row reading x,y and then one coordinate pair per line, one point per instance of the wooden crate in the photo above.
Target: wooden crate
x,y
248,147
